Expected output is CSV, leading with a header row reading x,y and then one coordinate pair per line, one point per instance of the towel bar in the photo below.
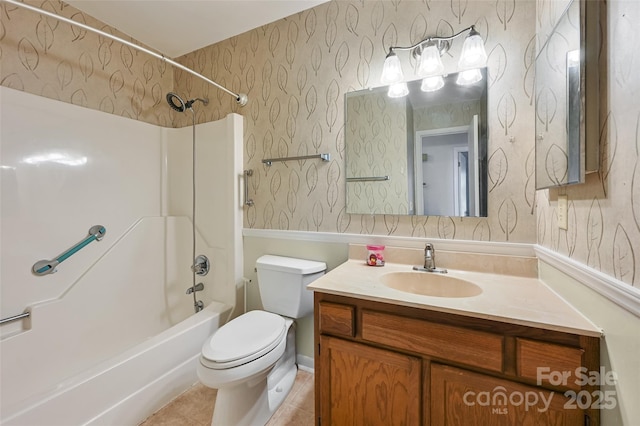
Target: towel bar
x,y
323,157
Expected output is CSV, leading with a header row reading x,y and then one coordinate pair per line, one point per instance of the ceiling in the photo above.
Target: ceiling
x,y
178,27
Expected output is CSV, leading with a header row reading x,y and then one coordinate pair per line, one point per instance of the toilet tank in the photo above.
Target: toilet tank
x,y
283,284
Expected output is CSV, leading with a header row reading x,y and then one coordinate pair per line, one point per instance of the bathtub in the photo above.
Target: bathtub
x,y
132,385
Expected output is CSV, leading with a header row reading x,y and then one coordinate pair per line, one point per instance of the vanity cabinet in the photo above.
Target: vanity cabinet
x,y
383,364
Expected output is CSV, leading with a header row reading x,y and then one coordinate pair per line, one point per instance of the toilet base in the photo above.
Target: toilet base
x,y
251,406
253,402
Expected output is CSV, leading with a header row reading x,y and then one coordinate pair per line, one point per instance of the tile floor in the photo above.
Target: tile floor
x,y
195,407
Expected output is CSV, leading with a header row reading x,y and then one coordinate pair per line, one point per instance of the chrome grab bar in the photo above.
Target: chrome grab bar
x,y
323,157
15,317
247,200
43,267
368,179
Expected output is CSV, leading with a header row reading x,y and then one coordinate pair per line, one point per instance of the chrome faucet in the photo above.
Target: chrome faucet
x,y
429,257
430,261
197,287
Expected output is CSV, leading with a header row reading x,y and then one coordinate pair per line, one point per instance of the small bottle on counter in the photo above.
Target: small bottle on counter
x,y
375,255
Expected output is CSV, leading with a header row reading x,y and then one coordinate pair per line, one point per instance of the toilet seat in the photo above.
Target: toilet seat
x,y
243,340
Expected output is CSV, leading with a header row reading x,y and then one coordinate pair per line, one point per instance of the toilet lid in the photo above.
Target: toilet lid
x,y
253,333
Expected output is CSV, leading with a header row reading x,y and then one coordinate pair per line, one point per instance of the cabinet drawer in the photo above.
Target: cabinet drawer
x,y
470,347
336,319
556,362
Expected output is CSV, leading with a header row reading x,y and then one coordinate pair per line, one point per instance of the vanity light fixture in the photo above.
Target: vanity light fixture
x,y
428,53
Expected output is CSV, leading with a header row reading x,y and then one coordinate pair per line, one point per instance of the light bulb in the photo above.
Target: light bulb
x,y
473,54
391,70
398,90
431,84
430,62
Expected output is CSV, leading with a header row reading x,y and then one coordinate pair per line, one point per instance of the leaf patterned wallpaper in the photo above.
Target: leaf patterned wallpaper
x,y
604,213
450,115
50,58
377,146
296,72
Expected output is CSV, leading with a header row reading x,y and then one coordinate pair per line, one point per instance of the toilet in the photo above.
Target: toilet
x,y
251,360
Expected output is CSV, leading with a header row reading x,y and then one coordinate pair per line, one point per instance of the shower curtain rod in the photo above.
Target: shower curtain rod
x,y
241,98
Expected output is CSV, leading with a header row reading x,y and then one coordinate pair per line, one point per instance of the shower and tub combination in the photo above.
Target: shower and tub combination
x,y
111,336
114,316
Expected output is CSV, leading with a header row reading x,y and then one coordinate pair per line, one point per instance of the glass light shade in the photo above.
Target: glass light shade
x,y
431,84
398,90
391,70
430,62
473,54
468,77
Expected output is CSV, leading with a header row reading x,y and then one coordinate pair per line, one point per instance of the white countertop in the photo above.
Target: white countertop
x,y
504,298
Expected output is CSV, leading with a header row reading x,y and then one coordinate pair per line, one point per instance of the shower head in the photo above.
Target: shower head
x,y
177,104
180,106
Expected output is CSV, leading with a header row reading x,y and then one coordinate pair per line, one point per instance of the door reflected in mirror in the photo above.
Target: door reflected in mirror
x,y
423,154
442,153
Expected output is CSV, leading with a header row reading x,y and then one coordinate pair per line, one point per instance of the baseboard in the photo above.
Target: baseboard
x,y
305,363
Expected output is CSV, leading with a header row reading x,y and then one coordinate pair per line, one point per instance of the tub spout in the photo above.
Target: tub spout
x,y
197,287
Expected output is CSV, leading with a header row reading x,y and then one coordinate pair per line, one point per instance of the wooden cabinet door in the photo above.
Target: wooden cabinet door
x,y
460,397
361,385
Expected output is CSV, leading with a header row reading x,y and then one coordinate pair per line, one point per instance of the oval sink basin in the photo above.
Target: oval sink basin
x,y
430,284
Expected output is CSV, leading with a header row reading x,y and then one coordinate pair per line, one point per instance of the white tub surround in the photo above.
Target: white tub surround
x,y
99,342
506,298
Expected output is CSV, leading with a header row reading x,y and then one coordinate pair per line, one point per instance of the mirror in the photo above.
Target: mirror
x,y
422,154
567,116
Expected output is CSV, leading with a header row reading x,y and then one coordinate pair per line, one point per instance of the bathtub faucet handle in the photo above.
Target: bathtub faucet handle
x,y
201,265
